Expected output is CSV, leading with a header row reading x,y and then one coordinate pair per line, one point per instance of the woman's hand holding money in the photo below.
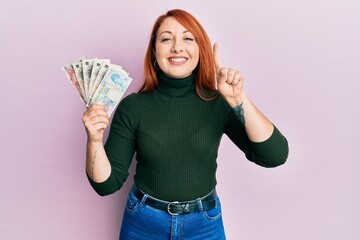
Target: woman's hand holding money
x,y
95,120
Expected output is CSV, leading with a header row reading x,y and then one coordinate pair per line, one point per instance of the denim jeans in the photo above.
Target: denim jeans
x,y
143,222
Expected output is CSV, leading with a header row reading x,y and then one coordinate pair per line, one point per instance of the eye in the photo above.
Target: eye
x,y
189,39
165,40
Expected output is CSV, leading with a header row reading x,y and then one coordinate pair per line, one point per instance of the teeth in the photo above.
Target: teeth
x,y
177,59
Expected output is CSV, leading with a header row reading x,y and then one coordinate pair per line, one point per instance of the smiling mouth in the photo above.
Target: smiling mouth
x,y
178,60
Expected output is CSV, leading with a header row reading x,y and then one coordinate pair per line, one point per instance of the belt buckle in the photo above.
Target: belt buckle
x,y
168,208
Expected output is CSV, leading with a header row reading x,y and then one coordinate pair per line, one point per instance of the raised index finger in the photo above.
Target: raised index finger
x,y
216,57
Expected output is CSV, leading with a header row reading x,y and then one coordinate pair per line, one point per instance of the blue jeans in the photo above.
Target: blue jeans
x,y
142,222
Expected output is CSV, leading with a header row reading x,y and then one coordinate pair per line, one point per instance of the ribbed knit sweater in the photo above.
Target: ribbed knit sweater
x,y
176,136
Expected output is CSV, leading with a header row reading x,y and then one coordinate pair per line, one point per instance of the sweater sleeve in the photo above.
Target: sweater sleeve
x,y
269,153
119,147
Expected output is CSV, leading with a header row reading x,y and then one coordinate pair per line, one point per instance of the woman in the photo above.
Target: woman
x,y
175,124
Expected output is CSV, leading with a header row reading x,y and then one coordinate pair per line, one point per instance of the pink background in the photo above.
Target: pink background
x,y
301,63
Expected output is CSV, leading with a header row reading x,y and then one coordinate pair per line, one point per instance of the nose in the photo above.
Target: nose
x,y
176,47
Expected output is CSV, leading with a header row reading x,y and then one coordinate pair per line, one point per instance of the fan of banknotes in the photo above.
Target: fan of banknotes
x,y
98,81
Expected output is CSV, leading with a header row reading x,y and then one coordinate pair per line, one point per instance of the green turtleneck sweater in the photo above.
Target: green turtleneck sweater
x,y
176,136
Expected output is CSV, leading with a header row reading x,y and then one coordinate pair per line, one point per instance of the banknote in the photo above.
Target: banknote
x,y
94,72
87,65
102,71
98,81
100,77
70,73
79,76
111,88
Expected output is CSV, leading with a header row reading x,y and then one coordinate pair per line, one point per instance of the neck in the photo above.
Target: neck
x,y
176,87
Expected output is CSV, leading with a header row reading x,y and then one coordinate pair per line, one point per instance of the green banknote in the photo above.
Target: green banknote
x,y
111,88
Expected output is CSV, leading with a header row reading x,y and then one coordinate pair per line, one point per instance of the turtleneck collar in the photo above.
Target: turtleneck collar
x,y
176,87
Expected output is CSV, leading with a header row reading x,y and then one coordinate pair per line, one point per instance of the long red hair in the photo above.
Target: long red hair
x,y
205,76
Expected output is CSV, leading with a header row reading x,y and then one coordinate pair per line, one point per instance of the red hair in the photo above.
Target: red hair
x,y
205,77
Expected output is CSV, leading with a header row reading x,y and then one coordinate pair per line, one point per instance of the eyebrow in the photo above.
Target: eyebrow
x,y
171,32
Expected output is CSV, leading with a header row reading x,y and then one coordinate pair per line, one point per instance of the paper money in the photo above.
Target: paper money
x,y
102,71
70,73
94,72
98,81
79,76
87,65
112,88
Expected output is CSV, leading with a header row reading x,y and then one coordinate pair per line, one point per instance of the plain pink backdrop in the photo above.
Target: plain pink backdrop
x,y
301,62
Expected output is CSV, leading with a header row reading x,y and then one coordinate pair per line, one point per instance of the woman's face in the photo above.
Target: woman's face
x,y
176,50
